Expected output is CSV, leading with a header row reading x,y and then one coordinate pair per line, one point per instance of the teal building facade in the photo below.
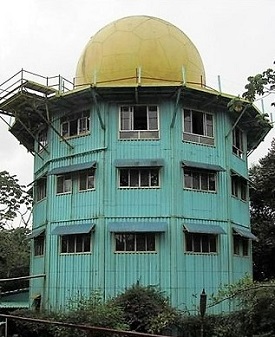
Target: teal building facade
x,y
140,170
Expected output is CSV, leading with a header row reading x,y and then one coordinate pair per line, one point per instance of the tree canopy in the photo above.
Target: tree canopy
x,y
14,248
14,200
260,84
262,197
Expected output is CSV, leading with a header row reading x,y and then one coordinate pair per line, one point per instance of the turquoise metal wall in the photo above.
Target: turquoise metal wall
x,y
179,274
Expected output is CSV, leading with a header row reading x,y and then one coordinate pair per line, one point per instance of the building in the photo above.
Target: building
x,y
140,169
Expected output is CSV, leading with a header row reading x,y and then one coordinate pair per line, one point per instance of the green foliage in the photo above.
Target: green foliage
x,y
262,199
256,316
260,84
13,197
14,256
235,291
33,329
146,309
92,311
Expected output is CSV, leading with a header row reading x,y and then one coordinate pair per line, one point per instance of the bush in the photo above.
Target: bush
x,y
146,309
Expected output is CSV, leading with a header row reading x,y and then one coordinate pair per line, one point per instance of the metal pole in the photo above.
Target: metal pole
x,y
6,327
203,299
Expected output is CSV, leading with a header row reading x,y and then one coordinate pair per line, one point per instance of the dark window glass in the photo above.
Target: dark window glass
x,y
76,243
86,180
199,179
200,243
144,177
75,124
39,243
135,242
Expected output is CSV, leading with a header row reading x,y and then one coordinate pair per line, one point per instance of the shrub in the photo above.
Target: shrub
x,y
146,309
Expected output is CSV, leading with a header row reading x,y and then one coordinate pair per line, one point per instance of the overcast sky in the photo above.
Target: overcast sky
x,y
235,39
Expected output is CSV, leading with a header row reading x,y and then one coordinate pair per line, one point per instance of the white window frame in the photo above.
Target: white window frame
x,y
70,243
205,137
199,173
80,119
131,245
127,129
139,171
89,177
238,142
200,243
65,179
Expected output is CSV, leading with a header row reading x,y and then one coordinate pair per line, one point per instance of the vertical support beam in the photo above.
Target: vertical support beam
x,y
176,107
97,109
138,75
183,75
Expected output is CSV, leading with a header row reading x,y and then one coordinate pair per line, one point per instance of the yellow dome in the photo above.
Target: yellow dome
x,y
140,50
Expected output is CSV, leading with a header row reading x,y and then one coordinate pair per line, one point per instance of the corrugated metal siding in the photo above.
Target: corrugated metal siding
x,y
177,273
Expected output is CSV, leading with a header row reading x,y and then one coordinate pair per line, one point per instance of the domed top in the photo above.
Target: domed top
x,y
140,50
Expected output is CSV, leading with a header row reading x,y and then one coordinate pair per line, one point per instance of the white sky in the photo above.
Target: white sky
x,y
235,39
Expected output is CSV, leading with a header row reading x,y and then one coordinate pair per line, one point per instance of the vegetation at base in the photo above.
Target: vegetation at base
x,y
146,309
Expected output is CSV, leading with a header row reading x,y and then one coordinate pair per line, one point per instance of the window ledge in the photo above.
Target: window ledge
x,y
199,191
75,136
139,188
75,253
201,253
136,252
88,190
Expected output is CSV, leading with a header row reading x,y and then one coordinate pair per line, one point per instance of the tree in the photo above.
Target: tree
x,y
262,196
260,84
14,200
14,249
14,256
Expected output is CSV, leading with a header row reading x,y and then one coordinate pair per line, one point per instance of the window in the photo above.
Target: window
x,y
135,242
240,245
198,127
64,184
42,140
41,189
239,187
76,243
200,243
139,178
139,122
238,147
84,179
199,179
39,243
87,180
76,124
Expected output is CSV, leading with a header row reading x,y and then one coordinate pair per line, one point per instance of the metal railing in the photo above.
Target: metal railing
x,y
84,327
18,80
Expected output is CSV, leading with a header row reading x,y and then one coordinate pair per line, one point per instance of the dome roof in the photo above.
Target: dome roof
x,y
140,49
